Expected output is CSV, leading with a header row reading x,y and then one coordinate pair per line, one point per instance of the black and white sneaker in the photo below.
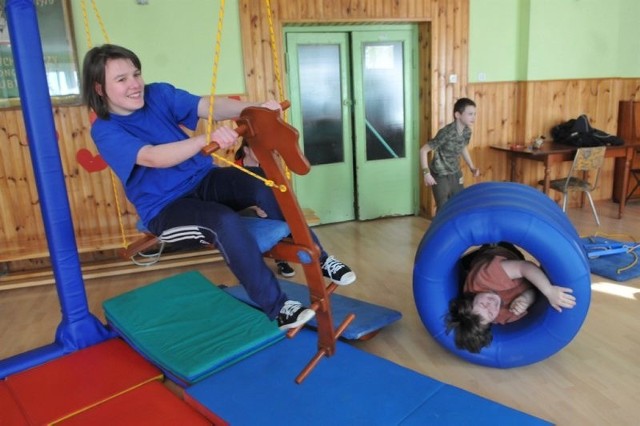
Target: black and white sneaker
x,y
293,315
337,271
285,269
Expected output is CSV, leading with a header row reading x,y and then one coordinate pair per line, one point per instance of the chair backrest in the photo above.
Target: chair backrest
x,y
587,159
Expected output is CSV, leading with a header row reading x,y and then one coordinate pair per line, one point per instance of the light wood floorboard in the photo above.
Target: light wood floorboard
x,y
595,380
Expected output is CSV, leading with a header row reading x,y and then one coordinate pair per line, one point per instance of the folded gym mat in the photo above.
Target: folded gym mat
x,y
189,327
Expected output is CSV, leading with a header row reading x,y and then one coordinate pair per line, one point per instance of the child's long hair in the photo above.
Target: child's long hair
x,y
468,332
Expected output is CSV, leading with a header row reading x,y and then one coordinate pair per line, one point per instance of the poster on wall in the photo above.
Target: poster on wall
x,y
58,50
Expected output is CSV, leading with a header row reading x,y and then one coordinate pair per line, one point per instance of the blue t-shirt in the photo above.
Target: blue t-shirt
x,y
119,138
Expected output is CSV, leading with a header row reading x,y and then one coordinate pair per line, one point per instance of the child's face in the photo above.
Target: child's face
x,y
468,116
486,306
124,87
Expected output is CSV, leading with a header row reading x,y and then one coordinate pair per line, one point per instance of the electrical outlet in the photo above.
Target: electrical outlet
x,y
482,76
453,78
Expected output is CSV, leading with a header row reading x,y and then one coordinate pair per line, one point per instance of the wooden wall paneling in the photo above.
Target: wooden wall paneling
x,y
438,68
401,8
448,56
68,146
425,108
629,89
628,130
461,46
496,123
22,220
604,96
90,195
548,103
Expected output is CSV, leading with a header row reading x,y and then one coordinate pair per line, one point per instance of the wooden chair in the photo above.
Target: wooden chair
x,y
579,179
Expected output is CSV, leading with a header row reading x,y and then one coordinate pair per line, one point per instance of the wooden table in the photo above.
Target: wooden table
x,y
552,153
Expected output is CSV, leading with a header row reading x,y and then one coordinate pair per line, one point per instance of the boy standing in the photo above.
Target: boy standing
x,y
444,174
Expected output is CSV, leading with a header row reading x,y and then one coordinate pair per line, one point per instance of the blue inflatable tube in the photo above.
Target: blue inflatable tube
x,y
488,213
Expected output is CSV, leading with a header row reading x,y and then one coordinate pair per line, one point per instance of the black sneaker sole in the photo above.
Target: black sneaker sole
x,y
287,274
342,281
304,317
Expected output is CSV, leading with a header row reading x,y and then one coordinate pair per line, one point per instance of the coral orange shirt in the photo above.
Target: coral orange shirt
x,y
489,276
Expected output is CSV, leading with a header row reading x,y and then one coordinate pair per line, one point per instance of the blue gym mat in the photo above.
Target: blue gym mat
x,y
369,317
350,388
615,262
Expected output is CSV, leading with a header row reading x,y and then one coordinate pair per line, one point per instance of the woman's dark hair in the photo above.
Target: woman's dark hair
x,y
461,104
468,332
93,73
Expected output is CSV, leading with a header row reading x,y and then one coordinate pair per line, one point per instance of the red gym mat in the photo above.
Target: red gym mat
x,y
10,413
149,404
77,381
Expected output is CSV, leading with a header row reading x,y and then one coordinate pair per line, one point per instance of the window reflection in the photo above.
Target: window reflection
x,y
384,100
321,98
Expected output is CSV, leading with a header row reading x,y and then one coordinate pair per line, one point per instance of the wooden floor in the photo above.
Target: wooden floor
x,y
595,380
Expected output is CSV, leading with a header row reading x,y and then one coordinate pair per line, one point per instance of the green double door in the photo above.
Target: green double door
x,y
354,101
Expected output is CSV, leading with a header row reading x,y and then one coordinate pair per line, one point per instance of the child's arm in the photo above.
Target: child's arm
x,y
559,297
520,304
467,159
427,177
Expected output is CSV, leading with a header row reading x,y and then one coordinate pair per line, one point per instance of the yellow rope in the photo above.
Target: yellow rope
x,y
214,72
99,18
630,250
114,182
276,69
274,52
85,18
214,79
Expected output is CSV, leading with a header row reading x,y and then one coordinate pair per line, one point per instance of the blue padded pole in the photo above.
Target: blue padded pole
x,y
78,328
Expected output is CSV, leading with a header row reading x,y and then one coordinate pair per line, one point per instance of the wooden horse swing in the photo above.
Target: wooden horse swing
x,y
273,140
270,138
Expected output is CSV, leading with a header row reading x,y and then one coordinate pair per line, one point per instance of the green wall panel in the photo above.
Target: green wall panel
x,y
520,40
175,40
